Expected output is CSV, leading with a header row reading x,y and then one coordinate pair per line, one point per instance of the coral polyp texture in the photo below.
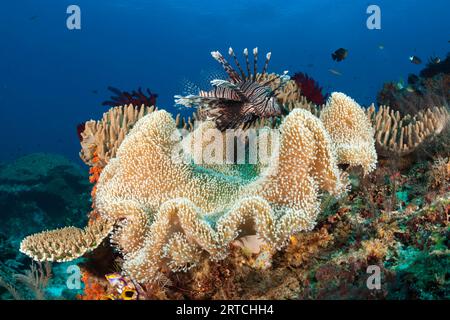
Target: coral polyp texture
x,y
170,213
195,211
351,132
402,135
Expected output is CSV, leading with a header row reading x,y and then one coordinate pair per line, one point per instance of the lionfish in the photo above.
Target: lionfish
x,y
240,100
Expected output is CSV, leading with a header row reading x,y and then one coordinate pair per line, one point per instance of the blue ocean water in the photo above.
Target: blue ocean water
x,y
52,78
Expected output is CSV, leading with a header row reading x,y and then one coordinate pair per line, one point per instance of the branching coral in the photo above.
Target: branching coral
x,y
397,135
350,131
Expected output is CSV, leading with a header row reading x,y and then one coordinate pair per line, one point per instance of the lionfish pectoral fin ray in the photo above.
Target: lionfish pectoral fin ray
x,y
219,83
194,101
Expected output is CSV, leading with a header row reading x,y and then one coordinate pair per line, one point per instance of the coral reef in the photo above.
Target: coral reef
x,y
39,187
432,69
430,89
210,210
409,243
38,191
304,223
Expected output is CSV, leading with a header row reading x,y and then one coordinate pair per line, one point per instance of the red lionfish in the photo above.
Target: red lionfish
x,y
241,100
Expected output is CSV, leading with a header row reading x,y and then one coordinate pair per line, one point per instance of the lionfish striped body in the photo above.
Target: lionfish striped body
x,y
239,101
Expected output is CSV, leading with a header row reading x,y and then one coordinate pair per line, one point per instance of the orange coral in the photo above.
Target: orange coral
x,y
93,290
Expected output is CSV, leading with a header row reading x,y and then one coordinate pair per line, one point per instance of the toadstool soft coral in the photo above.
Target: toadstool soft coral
x,y
351,132
194,210
169,214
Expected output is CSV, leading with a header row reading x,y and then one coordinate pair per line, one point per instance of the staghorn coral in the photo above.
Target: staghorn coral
x,y
350,131
67,243
400,136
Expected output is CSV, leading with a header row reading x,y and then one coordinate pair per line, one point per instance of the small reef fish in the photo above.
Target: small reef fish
x,y
415,60
340,54
381,47
126,290
410,89
434,60
335,72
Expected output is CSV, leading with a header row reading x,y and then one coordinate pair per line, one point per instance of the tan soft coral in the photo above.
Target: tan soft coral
x,y
171,213
195,210
350,131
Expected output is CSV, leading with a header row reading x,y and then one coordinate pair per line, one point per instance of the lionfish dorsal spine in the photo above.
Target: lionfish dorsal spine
x,y
266,64
247,62
255,62
236,61
234,76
